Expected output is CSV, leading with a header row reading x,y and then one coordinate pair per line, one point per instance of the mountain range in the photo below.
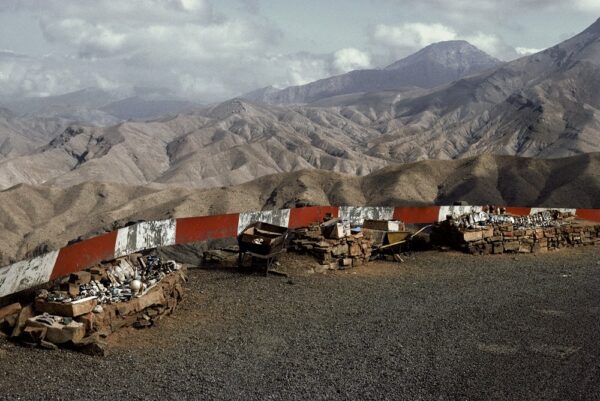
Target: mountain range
x,y
544,105
434,65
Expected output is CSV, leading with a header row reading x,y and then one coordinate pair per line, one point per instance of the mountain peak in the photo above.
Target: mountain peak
x,y
231,107
458,53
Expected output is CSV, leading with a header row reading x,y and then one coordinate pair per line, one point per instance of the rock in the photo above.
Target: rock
x,y
346,262
58,333
153,297
94,348
26,313
34,334
82,277
10,310
321,268
48,345
71,288
140,324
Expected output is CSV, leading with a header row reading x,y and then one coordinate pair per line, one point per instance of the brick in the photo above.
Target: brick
x,y
525,248
346,262
511,246
470,236
487,232
72,309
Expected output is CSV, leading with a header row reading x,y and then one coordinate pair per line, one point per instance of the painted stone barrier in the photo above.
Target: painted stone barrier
x,y
147,235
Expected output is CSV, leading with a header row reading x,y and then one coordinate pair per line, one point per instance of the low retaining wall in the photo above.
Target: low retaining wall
x,y
499,238
31,273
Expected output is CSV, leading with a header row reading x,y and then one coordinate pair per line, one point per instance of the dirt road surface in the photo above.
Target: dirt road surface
x,y
441,326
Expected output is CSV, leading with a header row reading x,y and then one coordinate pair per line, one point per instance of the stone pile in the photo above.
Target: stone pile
x,y
334,248
542,232
84,309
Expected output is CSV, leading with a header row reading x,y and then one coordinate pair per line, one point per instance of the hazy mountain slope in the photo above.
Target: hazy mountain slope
x,y
434,65
95,106
140,108
34,215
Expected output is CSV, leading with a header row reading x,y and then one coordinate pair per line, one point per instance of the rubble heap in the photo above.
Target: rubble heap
x,y
85,308
334,245
485,233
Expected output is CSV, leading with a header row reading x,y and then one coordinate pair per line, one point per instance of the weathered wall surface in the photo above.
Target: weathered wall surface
x,y
152,234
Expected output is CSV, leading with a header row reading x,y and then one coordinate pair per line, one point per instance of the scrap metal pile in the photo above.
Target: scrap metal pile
x,y
117,283
85,308
491,231
492,215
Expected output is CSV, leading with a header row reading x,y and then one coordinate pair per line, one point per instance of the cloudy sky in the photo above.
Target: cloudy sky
x,y
210,50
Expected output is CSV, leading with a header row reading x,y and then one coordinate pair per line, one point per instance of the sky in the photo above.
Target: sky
x,y
210,50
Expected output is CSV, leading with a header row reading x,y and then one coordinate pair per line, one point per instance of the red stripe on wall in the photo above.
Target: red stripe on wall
x,y
76,257
518,211
416,215
588,214
303,216
192,229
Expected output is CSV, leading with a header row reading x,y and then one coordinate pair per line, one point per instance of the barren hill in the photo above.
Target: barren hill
x,y
31,216
231,143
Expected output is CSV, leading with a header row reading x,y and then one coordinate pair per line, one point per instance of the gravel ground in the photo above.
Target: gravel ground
x,y
438,327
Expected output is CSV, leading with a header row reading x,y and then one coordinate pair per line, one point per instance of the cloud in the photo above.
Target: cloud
x,y
412,35
400,40
183,45
524,51
588,5
348,59
190,47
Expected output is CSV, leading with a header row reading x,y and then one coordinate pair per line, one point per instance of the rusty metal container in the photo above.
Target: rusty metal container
x,y
262,238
